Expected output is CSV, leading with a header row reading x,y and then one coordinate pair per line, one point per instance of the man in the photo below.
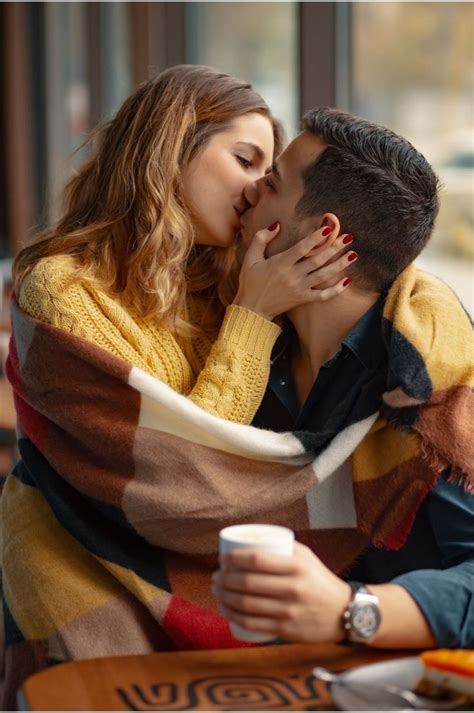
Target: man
x,y
334,365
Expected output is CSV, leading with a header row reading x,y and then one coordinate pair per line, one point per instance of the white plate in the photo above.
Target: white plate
x,y
400,672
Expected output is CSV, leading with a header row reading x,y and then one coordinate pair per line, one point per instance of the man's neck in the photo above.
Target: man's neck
x,y
322,326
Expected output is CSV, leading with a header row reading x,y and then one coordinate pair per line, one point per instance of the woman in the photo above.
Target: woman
x,y
143,261
142,266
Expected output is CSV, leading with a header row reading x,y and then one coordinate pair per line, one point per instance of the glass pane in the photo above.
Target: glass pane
x,y
413,72
71,65
257,42
116,80
67,92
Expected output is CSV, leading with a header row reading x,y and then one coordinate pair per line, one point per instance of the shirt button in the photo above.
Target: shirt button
x,y
282,382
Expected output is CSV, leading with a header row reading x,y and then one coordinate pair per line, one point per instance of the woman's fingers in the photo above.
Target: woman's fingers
x,y
333,245
332,272
275,285
320,256
313,241
313,294
256,249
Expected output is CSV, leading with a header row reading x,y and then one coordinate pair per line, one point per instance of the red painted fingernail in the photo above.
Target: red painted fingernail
x,y
273,226
348,239
352,256
326,231
346,282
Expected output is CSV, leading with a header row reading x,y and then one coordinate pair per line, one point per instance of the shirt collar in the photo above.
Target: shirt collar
x,y
364,340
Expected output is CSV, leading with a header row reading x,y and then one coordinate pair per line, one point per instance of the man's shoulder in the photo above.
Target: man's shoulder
x,y
424,314
417,294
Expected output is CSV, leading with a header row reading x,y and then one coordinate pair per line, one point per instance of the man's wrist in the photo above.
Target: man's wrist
x,y
404,625
361,618
339,629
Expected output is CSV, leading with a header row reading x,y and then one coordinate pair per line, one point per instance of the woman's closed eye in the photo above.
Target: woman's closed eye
x,y
244,161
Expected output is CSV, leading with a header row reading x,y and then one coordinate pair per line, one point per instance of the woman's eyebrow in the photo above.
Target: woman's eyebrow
x,y
253,146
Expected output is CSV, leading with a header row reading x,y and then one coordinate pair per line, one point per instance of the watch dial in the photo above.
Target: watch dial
x,y
365,620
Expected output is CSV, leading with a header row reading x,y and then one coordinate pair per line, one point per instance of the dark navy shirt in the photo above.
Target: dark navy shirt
x,y
436,565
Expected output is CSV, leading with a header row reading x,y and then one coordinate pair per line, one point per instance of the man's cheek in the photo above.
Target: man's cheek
x,y
277,245
265,213
245,237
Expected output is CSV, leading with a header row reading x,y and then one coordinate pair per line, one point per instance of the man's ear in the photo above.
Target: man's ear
x,y
332,221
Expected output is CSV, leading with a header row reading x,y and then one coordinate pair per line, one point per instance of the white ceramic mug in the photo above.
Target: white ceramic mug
x,y
268,538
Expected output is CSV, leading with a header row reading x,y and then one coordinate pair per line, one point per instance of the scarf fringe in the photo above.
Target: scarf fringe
x,y
439,463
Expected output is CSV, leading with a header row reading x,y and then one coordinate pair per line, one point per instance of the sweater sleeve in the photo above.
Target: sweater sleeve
x,y
229,378
49,295
235,375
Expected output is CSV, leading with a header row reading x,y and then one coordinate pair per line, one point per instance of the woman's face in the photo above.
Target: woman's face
x,y
215,179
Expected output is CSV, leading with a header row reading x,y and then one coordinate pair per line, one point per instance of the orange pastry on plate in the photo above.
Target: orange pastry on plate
x,y
448,671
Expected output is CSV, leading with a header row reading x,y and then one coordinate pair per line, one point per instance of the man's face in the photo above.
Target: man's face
x,y
275,196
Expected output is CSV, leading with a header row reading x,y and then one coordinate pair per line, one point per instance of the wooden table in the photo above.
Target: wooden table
x,y
261,678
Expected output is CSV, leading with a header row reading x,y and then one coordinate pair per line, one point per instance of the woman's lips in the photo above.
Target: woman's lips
x,y
244,229
238,213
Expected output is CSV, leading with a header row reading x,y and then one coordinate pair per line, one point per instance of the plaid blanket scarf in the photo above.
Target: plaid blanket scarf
x,y
110,521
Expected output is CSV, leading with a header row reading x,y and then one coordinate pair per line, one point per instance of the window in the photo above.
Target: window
x,y
257,42
81,75
412,70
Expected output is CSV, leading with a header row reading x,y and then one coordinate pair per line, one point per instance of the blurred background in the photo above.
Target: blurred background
x,y
65,66
409,66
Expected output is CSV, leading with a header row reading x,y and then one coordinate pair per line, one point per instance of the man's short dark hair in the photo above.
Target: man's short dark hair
x,y
380,187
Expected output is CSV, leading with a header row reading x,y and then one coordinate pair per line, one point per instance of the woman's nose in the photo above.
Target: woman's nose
x,y
251,192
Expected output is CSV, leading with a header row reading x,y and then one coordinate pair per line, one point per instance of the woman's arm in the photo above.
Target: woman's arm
x,y
233,380
235,374
51,293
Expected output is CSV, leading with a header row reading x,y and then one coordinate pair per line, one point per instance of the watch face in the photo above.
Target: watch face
x,y
365,620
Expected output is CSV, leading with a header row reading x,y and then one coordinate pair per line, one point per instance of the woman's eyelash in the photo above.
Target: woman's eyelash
x,y
244,161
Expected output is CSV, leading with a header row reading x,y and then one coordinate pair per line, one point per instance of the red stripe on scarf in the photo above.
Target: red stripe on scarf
x,y
193,627
32,423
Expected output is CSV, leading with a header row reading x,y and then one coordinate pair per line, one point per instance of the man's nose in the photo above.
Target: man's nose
x,y
251,192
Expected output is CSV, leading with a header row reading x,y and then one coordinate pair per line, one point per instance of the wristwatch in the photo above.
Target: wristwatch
x,y
361,618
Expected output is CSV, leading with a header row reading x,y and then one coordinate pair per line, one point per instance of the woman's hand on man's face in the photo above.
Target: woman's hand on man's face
x,y
296,598
309,271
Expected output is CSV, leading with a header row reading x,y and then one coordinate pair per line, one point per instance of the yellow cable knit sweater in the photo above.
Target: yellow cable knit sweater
x,y
227,378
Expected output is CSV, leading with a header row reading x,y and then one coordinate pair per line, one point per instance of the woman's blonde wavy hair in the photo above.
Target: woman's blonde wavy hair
x,y
125,220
